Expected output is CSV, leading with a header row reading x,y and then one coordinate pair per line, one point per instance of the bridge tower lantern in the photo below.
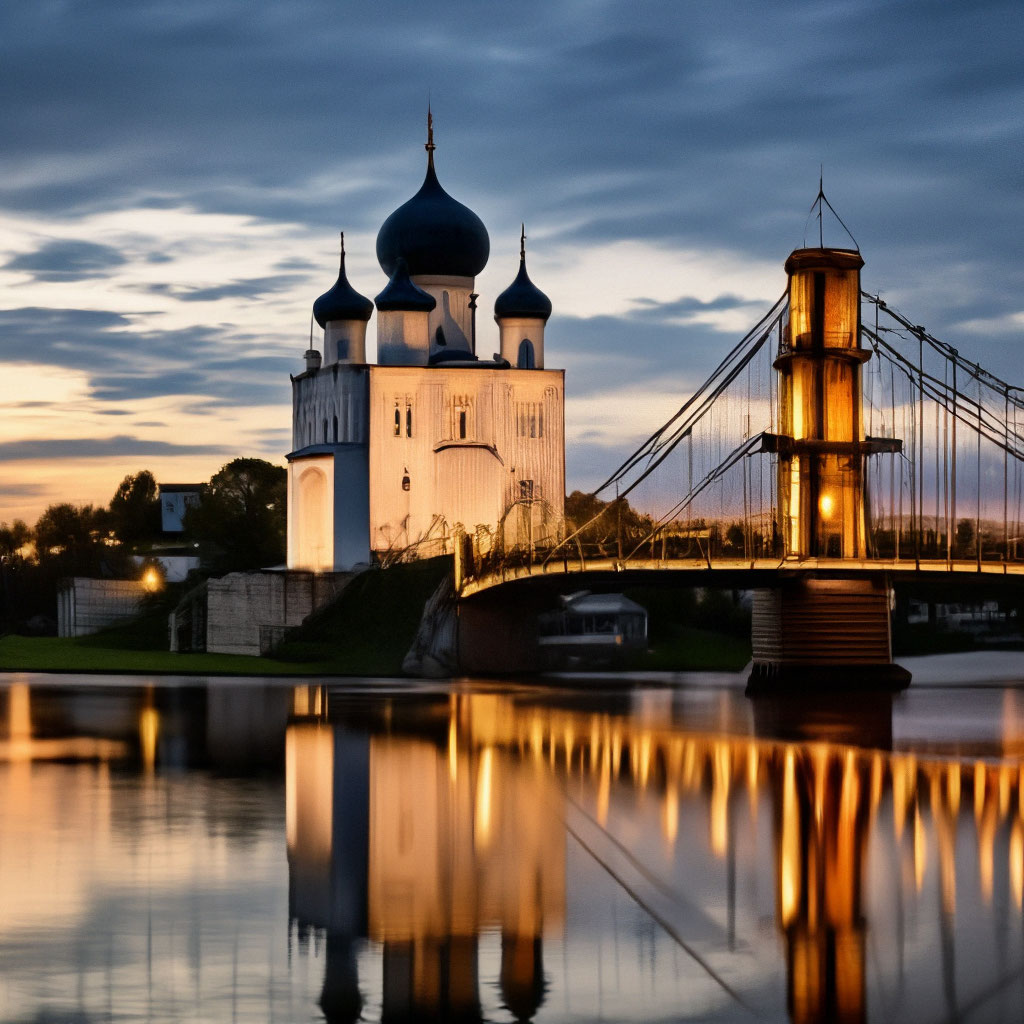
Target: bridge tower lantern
x,y
822,444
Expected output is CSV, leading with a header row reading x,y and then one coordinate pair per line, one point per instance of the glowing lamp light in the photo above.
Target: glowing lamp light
x,y
826,505
151,579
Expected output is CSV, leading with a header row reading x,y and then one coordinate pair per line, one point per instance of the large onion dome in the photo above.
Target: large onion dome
x,y
342,302
435,234
522,298
402,294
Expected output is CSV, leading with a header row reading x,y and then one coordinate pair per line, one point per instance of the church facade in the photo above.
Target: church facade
x,y
396,457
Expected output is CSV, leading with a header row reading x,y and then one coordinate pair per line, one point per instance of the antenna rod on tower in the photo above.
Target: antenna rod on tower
x,y
821,196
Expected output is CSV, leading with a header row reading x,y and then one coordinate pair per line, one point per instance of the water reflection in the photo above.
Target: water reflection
x,y
475,853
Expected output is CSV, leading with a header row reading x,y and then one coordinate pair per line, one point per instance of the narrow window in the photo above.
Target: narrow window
x,y
526,357
540,420
462,423
408,421
325,431
533,421
398,422
405,480
335,429
526,490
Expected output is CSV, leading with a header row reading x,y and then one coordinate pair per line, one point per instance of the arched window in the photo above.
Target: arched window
x,y
408,421
398,421
325,431
335,429
526,360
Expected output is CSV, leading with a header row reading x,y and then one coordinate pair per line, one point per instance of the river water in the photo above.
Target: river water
x,y
633,849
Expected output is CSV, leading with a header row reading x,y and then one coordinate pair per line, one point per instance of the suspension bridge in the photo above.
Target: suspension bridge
x,y
837,447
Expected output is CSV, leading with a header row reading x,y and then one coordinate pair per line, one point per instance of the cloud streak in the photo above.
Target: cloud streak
x,y
120,445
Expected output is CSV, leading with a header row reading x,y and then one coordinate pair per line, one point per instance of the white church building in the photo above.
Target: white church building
x,y
398,455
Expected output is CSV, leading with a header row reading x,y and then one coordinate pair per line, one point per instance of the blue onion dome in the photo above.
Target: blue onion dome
x,y
522,298
342,302
434,233
402,294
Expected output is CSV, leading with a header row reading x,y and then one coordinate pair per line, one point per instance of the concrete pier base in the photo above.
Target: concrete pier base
x,y
823,635
492,634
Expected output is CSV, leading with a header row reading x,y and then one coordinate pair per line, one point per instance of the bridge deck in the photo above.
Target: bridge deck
x,y
760,572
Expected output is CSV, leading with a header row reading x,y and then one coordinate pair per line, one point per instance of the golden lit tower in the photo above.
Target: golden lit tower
x,y
823,445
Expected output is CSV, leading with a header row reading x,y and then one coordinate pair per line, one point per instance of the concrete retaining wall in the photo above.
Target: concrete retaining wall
x,y
86,606
248,612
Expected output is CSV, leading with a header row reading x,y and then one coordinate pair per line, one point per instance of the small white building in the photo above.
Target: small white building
x,y
175,501
398,455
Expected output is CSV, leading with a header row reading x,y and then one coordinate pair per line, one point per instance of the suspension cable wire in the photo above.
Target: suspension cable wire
x,y
947,351
663,440
747,447
940,391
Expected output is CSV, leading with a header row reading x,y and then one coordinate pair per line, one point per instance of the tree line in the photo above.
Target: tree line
x,y
238,523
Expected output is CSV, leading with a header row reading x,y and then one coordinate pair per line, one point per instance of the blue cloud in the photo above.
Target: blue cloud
x,y
67,260
99,447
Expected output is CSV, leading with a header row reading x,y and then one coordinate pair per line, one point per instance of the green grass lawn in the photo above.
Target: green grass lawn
x,y
51,654
694,649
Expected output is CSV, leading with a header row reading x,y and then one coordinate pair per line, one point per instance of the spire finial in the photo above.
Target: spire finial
x,y
818,209
430,147
342,257
522,241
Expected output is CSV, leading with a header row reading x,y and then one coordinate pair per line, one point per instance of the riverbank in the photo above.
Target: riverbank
x,y
366,632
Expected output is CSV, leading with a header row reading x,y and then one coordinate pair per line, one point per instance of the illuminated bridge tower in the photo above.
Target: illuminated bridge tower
x,y
826,625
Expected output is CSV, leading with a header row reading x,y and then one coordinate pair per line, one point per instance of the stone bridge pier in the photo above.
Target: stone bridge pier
x,y
493,633
824,635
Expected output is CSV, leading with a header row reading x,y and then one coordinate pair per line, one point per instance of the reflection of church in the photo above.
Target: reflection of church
x,y
423,841
432,437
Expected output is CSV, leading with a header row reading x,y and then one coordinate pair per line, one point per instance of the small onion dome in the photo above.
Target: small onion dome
x,y
522,298
402,294
342,302
434,233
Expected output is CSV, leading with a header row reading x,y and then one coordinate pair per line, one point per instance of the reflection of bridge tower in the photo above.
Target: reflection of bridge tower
x,y
821,456
821,840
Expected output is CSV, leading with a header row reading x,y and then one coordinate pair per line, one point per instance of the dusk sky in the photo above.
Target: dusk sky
x,y
173,177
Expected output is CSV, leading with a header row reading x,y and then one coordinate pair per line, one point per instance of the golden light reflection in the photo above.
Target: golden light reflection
x,y
670,815
920,850
484,800
1017,863
604,787
789,846
463,816
453,750
720,786
149,731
